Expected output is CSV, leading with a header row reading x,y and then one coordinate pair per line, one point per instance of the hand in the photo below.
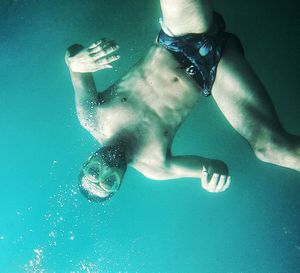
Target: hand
x,y
93,58
215,178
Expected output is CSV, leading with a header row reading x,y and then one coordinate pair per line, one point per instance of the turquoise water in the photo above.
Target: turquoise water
x,y
149,226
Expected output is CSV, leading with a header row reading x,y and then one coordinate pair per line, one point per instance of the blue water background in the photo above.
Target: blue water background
x,y
149,226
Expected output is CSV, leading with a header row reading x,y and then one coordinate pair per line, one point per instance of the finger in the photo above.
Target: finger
x,y
107,66
101,46
213,182
97,43
227,184
104,51
95,49
108,60
221,183
100,67
204,178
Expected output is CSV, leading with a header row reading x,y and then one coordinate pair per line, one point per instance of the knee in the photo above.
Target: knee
x,y
263,152
266,145
270,146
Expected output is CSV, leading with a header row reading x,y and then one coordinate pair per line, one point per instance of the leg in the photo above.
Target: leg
x,y
245,103
187,16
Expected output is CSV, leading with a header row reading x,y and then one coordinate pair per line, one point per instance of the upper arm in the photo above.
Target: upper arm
x,y
86,115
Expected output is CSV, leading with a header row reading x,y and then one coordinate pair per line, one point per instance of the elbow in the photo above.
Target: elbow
x,y
86,124
158,172
86,121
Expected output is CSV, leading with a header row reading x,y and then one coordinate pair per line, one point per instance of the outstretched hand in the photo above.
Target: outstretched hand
x,y
96,57
215,179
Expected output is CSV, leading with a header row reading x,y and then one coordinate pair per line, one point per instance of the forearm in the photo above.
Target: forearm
x,y
187,166
85,88
212,173
193,166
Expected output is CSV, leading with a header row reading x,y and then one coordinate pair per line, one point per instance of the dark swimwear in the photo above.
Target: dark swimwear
x,y
199,54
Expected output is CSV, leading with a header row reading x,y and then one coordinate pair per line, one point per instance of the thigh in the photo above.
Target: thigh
x,y
187,16
242,98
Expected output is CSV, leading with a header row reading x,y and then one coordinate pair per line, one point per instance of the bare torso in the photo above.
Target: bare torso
x,y
146,107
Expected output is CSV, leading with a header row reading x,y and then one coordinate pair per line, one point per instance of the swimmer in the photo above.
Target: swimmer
x,y
136,119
